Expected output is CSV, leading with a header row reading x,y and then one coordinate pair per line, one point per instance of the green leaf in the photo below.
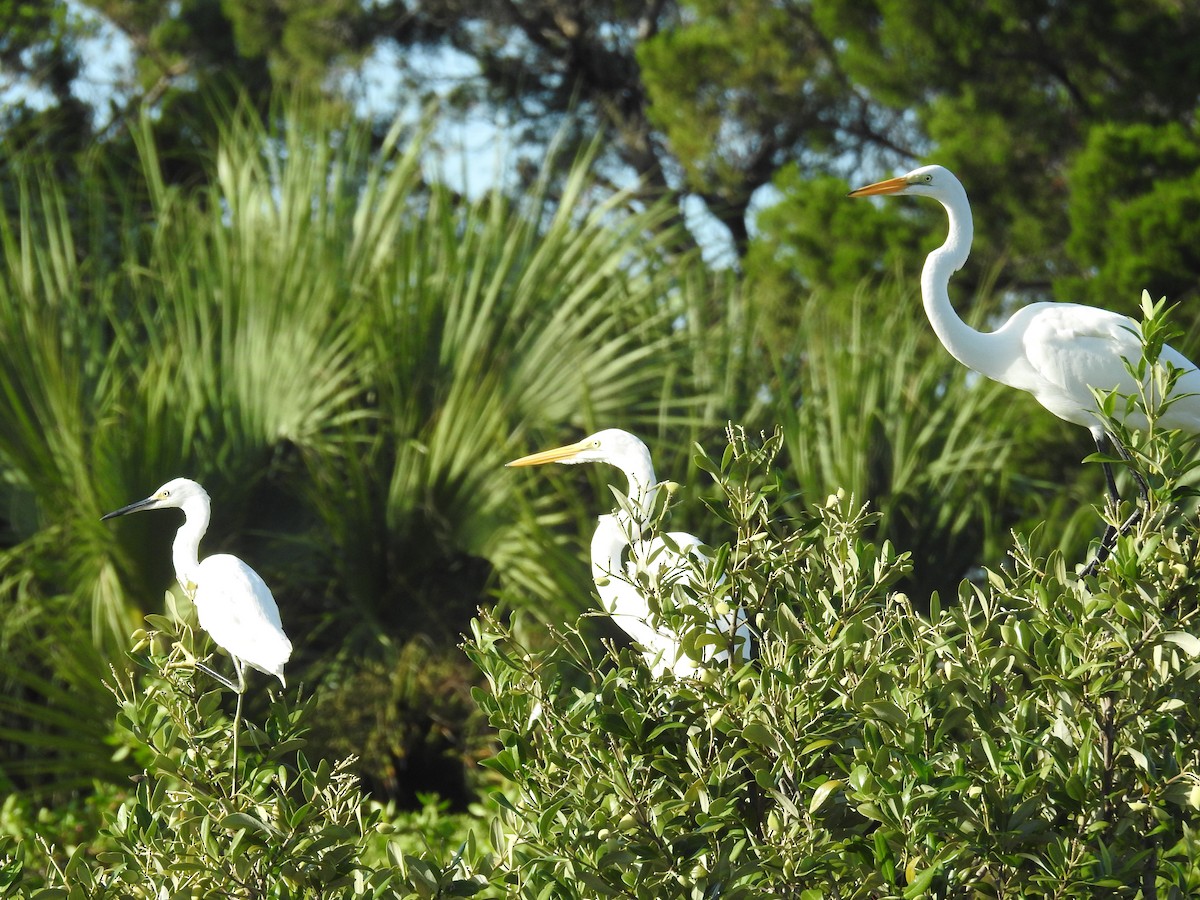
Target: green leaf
x,y
239,820
887,711
820,744
821,794
919,885
160,623
758,733
1189,643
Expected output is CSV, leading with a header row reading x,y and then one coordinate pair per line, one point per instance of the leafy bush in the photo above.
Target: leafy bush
x,y
408,718
295,827
1039,737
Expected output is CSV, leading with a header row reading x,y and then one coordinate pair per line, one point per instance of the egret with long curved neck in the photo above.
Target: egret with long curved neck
x,y
621,596
233,603
1059,352
665,560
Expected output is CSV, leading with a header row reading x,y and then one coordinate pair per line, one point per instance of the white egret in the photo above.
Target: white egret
x,y
1059,352
666,560
616,583
233,603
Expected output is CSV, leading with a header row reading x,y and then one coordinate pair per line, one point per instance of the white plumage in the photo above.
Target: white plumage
x,y
665,561
249,630
1058,352
616,580
233,603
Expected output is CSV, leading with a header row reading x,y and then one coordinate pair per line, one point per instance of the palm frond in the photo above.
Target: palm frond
x,y
878,413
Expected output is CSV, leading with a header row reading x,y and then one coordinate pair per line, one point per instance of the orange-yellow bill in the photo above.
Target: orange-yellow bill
x,y
890,186
548,456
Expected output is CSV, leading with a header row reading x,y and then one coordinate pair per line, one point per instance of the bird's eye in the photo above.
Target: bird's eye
x,y
595,445
929,178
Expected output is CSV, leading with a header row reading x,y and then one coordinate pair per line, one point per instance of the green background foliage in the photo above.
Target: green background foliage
x,y
290,302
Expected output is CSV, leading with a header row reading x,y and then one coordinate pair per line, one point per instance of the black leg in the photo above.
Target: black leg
x,y
239,689
1104,443
1143,487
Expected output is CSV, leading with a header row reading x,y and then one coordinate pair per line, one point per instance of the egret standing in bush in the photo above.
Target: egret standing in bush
x,y
233,603
1059,352
667,561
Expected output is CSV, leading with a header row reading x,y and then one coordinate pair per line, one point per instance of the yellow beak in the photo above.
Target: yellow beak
x,y
890,186
548,456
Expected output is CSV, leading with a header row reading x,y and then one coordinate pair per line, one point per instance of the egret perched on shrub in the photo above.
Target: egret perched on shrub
x,y
233,603
1059,352
666,560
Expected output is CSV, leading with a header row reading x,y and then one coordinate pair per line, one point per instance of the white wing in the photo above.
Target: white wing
x,y
1072,349
235,606
670,559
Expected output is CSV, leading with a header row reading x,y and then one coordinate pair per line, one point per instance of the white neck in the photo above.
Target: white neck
x,y
185,550
608,543
968,346
620,597
642,489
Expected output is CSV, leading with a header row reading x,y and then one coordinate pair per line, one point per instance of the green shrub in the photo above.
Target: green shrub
x,y
296,827
409,720
1038,737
